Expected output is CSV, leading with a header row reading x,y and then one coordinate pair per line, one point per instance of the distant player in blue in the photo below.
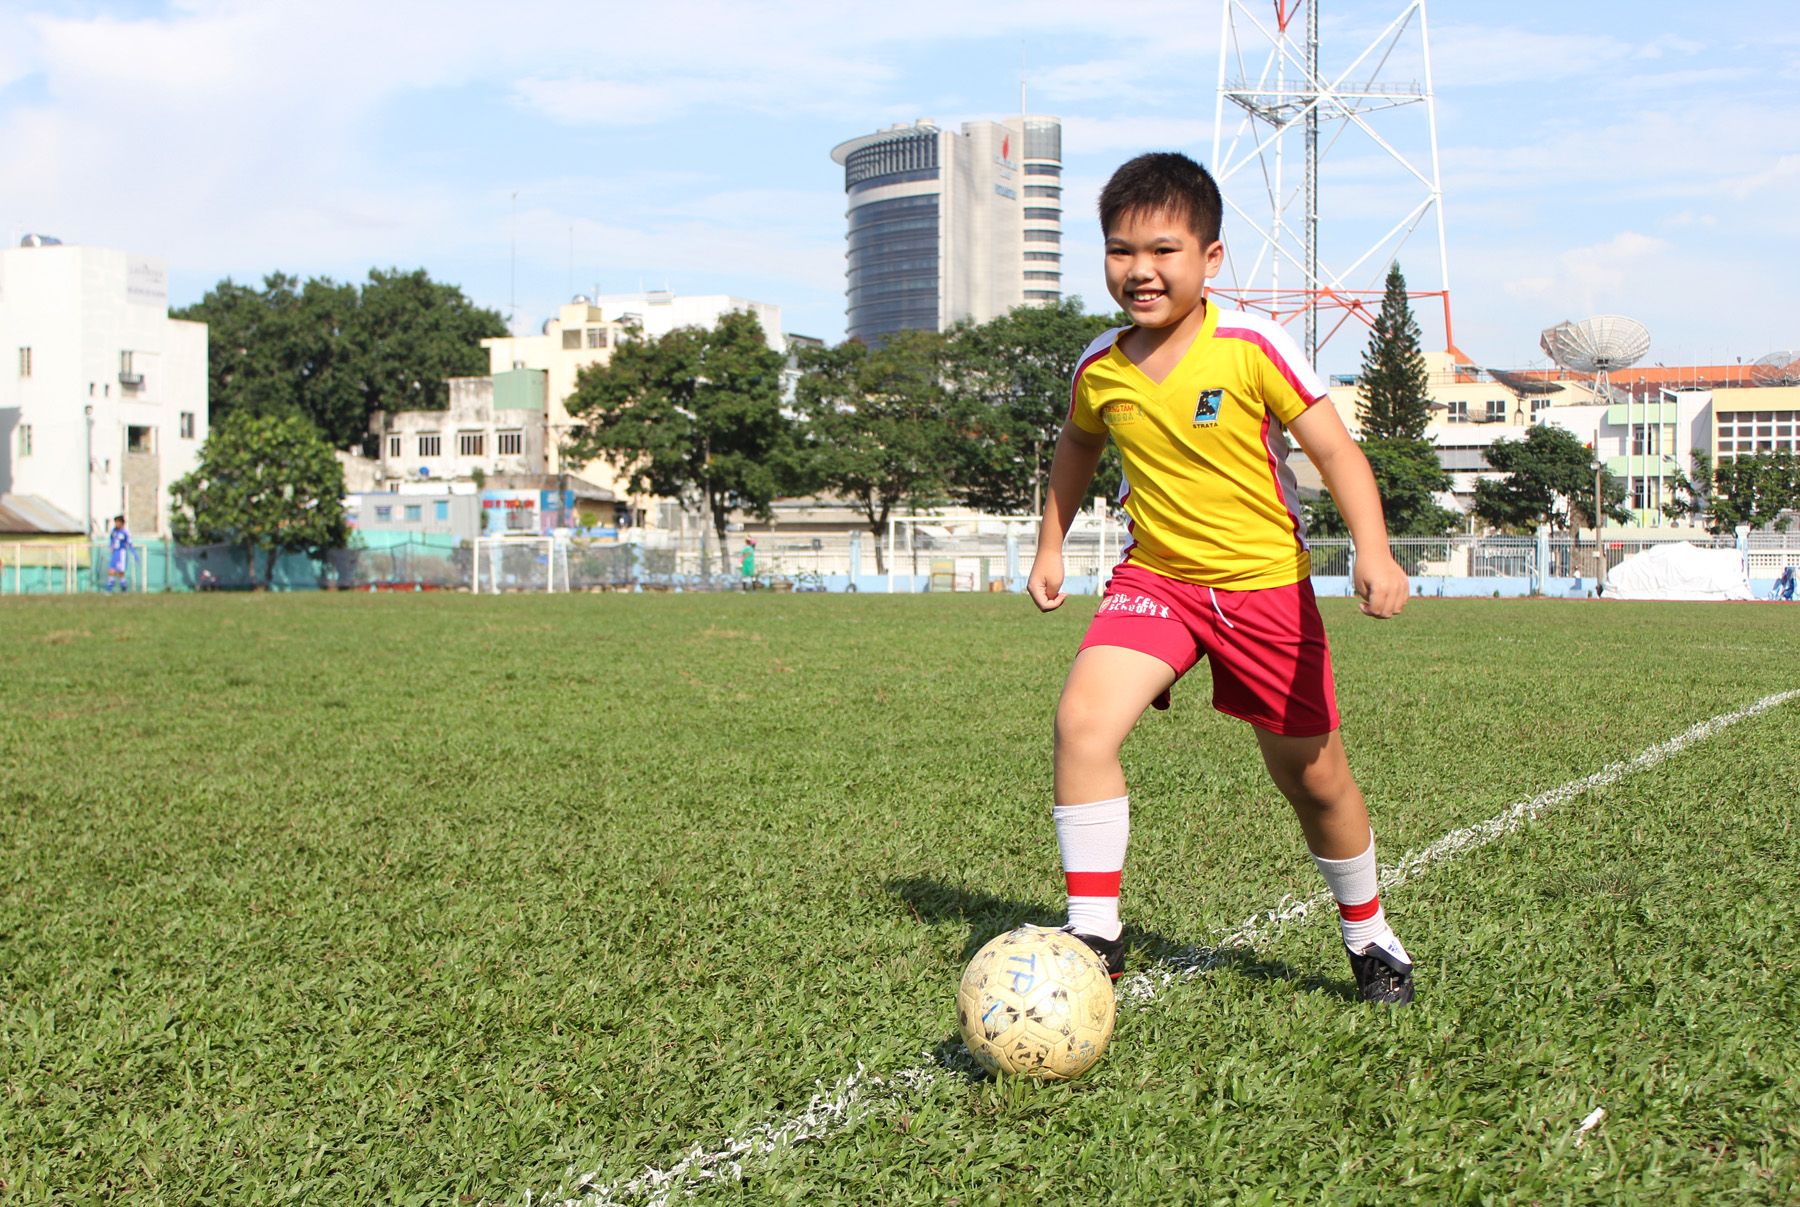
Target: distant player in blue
x,y
120,552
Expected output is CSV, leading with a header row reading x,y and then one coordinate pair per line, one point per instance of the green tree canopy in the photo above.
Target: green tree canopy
x,y
334,353
265,483
1396,400
1550,480
1757,490
694,415
1010,383
877,427
1408,475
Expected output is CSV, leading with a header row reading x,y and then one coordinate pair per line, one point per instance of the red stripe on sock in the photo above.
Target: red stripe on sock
x,y
1360,913
1093,884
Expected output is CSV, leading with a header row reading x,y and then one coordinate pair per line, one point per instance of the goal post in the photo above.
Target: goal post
x,y
518,563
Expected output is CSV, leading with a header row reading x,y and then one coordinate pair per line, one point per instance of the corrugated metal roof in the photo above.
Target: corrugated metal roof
x,y
33,514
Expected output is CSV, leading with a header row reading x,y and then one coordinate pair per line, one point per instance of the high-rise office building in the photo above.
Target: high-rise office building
x,y
945,226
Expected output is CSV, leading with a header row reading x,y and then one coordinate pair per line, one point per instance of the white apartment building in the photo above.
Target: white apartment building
x,y
945,226
102,395
494,424
586,331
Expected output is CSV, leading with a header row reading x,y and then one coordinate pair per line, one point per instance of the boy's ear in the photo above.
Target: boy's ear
x,y
1215,258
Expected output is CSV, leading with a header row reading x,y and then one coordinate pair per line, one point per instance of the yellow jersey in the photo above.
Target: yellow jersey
x,y
1207,487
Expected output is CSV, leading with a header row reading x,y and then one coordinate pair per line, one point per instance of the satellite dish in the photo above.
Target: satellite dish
x,y
1600,346
1778,360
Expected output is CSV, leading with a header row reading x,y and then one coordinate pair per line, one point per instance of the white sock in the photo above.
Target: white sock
x,y
1353,884
1093,840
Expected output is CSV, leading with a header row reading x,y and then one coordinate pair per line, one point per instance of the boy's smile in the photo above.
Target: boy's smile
x,y
1157,268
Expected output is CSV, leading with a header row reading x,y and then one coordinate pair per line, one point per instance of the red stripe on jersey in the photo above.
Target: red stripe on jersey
x,y
1275,358
1360,913
1093,884
1275,477
1075,385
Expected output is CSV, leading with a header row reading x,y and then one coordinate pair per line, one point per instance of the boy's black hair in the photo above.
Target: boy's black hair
x,y
118,519
1164,182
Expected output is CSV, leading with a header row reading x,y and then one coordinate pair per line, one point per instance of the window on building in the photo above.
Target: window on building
x,y
384,511
24,440
1042,214
1457,411
442,509
596,337
510,444
1538,407
1035,235
414,512
128,374
1050,257
571,339
1496,410
393,447
25,363
431,444
518,364
187,425
470,444
1043,276
1043,190
140,439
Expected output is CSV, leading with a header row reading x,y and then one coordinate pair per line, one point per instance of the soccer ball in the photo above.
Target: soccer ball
x,y
1036,1003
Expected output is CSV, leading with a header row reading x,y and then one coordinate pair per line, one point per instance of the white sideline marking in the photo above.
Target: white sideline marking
x,y
855,1096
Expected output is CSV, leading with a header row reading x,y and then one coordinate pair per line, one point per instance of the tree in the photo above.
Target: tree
x,y
1755,490
334,354
1009,381
1691,494
1396,400
877,429
1408,476
265,483
694,416
1550,480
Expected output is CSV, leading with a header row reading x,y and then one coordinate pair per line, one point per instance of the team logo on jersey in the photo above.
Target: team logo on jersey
x,y
1115,413
1206,411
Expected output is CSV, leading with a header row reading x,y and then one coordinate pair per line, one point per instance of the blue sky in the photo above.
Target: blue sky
x,y
1604,157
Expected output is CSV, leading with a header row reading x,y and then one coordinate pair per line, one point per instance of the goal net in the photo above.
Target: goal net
x,y
519,563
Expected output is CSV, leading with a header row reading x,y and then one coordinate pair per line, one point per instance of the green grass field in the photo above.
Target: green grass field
x,y
440,899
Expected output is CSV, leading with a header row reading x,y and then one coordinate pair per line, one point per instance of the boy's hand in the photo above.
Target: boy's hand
x,y
1381,585
1045,583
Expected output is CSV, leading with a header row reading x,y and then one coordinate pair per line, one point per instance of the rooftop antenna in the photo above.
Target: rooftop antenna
x,y
1269,72
1597,347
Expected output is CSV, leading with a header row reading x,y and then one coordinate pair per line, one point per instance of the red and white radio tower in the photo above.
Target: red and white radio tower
x,y
1269,73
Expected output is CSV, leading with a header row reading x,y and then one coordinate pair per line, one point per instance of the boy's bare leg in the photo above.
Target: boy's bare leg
x,y
1315,776
1108,689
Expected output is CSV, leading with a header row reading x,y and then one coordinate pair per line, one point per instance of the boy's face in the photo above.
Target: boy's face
x,y
1157,267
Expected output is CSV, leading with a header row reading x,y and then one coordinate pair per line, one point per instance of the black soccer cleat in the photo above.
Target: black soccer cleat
x,y
1381,976
1110,951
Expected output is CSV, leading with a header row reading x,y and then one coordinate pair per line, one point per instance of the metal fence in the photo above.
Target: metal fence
x,y
922,554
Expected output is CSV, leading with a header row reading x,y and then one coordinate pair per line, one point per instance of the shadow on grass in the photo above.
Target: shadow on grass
x,y
986,916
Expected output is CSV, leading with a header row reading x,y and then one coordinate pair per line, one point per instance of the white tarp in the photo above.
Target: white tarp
x,y
1679,570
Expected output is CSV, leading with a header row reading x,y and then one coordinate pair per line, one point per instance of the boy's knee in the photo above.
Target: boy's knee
x,y
1082,723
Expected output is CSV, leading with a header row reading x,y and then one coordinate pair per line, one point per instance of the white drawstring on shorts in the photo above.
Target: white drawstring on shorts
x,y
1219,610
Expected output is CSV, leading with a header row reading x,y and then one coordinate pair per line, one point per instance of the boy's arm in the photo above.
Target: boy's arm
x,y
1379,581
1077,457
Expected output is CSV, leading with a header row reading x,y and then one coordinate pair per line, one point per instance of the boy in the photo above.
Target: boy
x,y
1197,400
120,549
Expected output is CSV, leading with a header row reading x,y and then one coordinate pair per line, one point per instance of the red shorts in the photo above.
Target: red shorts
x,y
1270,664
